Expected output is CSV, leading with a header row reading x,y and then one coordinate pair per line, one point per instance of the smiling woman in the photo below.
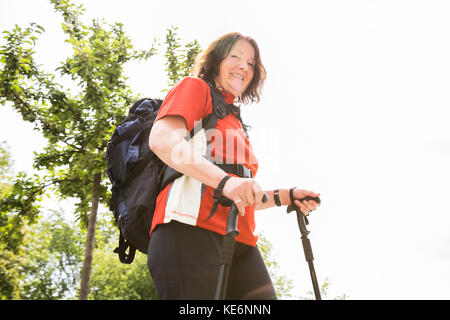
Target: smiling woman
x,y
232,52
191,212
236,70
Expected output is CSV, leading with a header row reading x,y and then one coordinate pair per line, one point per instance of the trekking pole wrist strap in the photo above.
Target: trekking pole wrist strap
x,y
276,197
292,206
219,190
218,196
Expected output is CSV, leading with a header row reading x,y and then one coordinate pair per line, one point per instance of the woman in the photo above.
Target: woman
x,y
186,239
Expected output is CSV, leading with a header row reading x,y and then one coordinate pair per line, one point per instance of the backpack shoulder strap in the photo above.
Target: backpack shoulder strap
x,y
219,111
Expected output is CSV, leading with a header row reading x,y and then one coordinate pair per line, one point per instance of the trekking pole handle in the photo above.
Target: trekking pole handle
x,y
293,207
233,217
301,218
232,220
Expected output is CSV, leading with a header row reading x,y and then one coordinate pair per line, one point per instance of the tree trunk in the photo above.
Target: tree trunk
x,y
90,239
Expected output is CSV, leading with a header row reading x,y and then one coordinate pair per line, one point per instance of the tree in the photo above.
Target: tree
x,y
179,61
10,235
282,284
76,125
55,259
116,281
5,172
324,292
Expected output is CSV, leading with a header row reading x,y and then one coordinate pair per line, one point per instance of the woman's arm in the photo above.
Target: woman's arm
x,y
168,143
304,206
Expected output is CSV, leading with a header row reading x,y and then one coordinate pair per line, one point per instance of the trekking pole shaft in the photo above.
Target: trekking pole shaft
x,y
307,249
309,258
314,281
222,282
226,256
302,222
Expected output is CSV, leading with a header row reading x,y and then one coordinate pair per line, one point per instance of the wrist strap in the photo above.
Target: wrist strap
x,y
276,197
219,198
293,205
218,191
291,196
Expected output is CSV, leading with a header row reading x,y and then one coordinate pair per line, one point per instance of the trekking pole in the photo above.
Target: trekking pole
x,y
302,222
226,256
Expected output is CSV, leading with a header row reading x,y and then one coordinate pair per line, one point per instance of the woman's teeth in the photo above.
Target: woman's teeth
x,y
238,76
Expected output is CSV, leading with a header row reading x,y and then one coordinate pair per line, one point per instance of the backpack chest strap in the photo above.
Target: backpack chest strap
x,y
237,169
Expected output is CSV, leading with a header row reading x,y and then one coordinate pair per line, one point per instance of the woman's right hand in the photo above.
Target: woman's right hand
x,y
244,192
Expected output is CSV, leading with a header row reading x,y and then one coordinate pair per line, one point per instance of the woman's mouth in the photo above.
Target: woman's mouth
x,y
238,76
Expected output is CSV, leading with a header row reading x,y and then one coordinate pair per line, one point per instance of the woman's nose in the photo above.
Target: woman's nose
x,y
244,65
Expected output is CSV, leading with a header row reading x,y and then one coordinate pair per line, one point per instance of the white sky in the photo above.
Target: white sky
x,y
355,106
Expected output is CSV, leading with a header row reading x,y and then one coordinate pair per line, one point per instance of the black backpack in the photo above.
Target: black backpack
x,y
137,175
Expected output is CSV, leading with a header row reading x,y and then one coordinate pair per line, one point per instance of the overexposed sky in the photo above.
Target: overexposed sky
x,y
355,106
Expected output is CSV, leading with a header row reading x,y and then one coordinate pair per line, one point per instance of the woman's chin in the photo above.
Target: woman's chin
x,y
236,90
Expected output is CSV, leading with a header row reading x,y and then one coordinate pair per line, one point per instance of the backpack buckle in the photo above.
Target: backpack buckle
x,y
221,110
243,171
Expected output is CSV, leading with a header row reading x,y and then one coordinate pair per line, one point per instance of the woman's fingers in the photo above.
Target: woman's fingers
x,y
306,206
244,192
240,206
302,207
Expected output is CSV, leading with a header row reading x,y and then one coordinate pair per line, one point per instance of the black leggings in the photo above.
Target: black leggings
x,y
184,263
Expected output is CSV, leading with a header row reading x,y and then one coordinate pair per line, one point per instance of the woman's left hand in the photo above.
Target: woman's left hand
x,y
305,206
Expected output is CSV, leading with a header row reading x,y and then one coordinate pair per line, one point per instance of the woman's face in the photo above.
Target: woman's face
x,y
237,69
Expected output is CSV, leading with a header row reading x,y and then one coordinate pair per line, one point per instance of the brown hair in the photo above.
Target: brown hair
x,y
207,65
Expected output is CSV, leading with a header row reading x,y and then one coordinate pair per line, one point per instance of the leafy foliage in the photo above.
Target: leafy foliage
x,y
11,235
282,284
55,256
53,261
77,126
179,61
116,281
324,292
